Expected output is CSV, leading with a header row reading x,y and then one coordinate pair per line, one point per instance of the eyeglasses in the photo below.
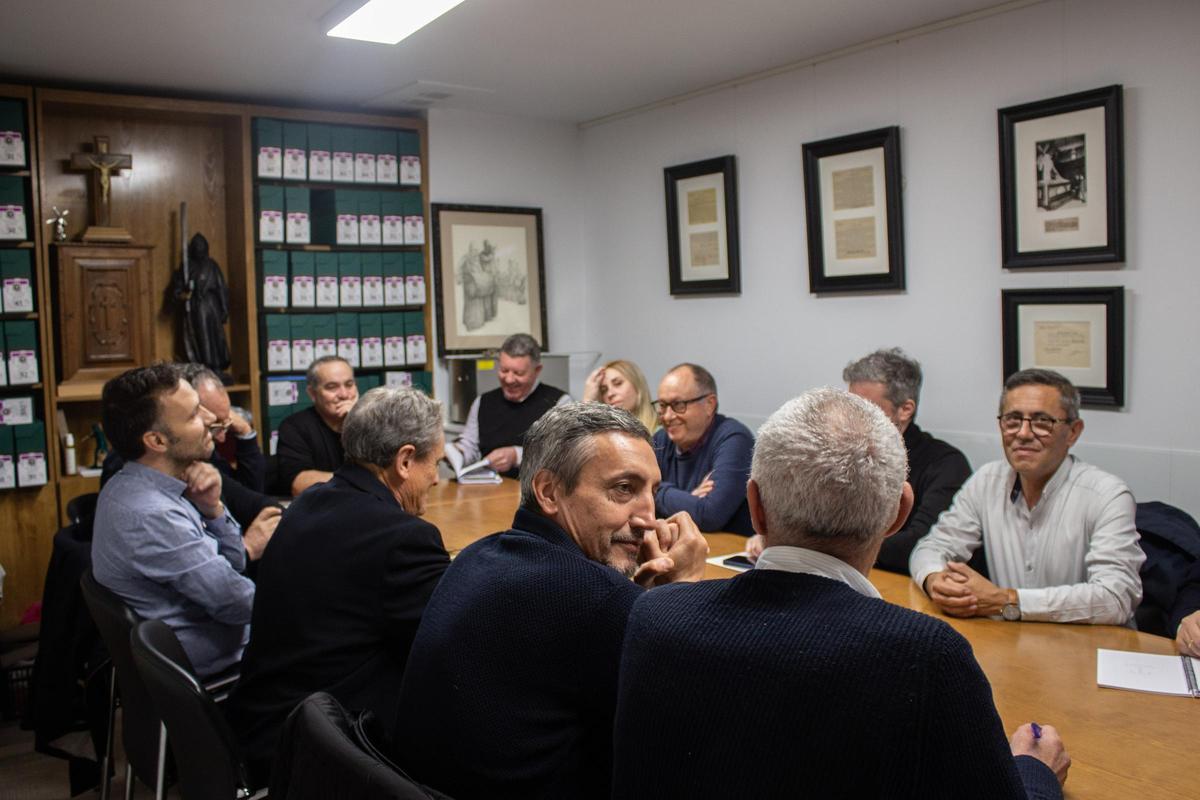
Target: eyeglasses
x,y
678,406
1040,424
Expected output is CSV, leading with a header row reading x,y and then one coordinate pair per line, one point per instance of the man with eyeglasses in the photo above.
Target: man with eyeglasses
x,y
1059,534
704,456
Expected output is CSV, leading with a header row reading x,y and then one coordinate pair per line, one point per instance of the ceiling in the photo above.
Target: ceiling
x,y
570,60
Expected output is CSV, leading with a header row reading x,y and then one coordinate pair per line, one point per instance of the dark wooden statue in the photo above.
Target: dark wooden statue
x,y
200,290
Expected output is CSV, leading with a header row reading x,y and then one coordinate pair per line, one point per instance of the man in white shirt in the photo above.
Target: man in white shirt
x,y
1059,534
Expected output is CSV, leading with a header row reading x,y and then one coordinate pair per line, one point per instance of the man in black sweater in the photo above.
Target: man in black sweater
x,y
836,692
936,470
511,682
310,450
498,420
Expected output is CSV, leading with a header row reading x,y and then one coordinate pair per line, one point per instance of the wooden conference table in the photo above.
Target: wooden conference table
x,y
1123,744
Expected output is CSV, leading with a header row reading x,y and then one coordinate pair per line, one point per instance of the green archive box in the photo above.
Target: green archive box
x,y
327,280
343,154
14,137
369,231
270,207
268,146
279,342
302,340
274,278
347,333
387,157
324,330
350,277
304,280
320,152
298,207
391,215
392,324
21,349
16,277
295,151
13,209
372,279
370,340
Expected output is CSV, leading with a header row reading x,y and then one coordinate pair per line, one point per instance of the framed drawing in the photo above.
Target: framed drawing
x,y
702,227
489,276
1062,189
855,221
1077,332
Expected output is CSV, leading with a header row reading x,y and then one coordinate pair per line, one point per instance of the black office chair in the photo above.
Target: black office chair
x,y
82,509
142,732
326,754
207,758
1170,539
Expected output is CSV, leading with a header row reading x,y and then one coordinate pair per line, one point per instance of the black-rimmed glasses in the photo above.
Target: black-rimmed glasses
x,y
678,406
1040,424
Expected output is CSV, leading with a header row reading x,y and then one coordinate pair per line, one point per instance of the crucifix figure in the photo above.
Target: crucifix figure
x,y
102,164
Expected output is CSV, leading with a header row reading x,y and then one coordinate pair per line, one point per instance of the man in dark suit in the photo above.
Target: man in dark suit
x,y
840,693
347,575
511,685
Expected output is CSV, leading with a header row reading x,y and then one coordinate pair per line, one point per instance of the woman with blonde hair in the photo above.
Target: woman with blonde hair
x,y
620,383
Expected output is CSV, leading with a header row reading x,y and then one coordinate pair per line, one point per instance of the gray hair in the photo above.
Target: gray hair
x,y
899,373
385,419
705,382
829,465
522,344
310,377
563,440
199,374
1045,377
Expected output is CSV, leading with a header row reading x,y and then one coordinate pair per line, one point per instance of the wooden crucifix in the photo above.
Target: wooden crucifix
x,y
102,164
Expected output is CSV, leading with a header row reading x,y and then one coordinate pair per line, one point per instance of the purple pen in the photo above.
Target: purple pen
x,y
1037,730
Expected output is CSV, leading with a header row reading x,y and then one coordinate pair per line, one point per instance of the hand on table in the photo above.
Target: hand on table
x,y
502,459
1048,749
1187,638
949,591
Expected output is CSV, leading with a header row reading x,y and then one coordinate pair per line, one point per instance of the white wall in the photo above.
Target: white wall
x,y
943,90
489,159
605,229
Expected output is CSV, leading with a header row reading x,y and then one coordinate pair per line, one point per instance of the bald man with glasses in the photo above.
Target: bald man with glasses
x,y
704,456
1059,534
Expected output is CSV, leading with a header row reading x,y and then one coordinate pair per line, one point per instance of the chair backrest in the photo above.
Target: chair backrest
x,y
320,759
82,509
140,720
1171,540
207,760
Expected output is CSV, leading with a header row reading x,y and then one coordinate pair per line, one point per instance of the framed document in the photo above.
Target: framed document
x,y
1077,332
702,227
855,222
489,276
1062,189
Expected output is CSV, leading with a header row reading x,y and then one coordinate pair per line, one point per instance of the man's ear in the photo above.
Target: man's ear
x,y
155,441
906,411
547,489
404,461
1074,431
758,515
906,507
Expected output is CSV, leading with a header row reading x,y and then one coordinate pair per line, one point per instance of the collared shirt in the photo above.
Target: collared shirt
x,y
155,550
468,440
1073,557
787,558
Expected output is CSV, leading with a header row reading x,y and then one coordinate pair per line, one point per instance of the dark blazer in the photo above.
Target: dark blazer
x,y
341,588
828,693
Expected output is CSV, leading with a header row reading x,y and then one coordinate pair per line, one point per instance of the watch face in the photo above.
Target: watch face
x,y
1011,612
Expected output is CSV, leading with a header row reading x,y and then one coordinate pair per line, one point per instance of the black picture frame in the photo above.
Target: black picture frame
x,y
1071,330
836,263
515,236
1047,141
711,230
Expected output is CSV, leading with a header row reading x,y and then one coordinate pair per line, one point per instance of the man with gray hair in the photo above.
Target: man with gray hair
x,y
345,579
841,693
310,441
512,678
1059,534
498,420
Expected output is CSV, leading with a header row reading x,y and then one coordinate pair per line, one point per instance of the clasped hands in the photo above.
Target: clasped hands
x,y
962,592
672,550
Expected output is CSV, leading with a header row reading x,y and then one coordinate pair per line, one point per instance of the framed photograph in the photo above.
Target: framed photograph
x,y
1077,332
702,227
1062,188
855,221
489,276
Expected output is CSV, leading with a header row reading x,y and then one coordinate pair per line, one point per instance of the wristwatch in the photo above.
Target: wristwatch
x,y
1012,609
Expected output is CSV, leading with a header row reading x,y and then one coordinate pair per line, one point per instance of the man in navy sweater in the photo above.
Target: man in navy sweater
x,y
704,456
511,683
839,693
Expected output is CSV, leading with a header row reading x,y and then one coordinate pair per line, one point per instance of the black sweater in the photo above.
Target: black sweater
x,y
778,684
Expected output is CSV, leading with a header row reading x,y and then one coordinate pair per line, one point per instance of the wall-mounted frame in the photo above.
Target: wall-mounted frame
x,y
1062,188
489,276
1077,332
702,227
855,218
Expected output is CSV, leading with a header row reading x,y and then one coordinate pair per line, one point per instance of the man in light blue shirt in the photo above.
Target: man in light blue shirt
x,y
163,541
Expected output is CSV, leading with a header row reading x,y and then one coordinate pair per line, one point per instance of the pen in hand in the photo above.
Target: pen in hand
x,y
1037,730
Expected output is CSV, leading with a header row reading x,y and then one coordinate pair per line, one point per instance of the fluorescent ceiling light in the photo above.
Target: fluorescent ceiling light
x,y
390,21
